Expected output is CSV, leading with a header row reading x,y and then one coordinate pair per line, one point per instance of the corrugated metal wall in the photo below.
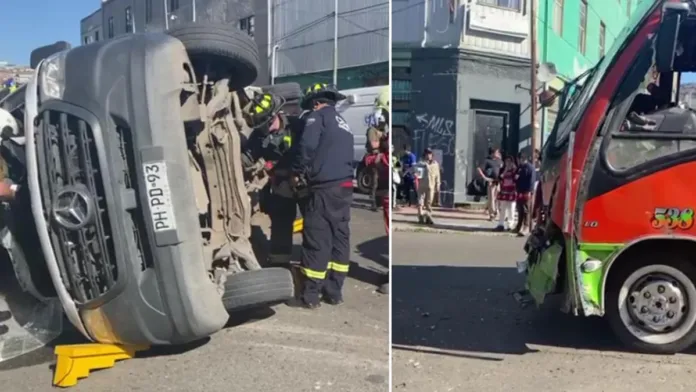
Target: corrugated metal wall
x,y
218,11
304,31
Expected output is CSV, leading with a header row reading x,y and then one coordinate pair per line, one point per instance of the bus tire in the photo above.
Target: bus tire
x,y
651,306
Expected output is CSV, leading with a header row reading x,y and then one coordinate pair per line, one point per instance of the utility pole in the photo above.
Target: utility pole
x,y
533,93
166,15
335,45
533,87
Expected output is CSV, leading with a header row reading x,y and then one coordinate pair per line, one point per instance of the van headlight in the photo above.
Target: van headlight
x,y
52,76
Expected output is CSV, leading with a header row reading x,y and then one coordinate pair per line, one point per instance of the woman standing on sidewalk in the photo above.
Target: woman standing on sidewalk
x,y
507,195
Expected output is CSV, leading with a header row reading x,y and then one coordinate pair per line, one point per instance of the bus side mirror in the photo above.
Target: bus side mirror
x,y
667,36
547,98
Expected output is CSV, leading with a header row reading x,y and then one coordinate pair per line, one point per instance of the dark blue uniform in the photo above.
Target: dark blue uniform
x,y
324,157
281,205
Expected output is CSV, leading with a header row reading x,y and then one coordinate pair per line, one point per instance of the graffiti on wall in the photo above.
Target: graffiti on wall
x,y
436,132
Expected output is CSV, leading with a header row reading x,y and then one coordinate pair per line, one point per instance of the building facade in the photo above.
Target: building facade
x,y
460,84
299,37
117,17
574,35
91,28
302,43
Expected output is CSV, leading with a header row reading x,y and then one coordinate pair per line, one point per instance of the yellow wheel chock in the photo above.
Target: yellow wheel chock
x,y
74,362
297,225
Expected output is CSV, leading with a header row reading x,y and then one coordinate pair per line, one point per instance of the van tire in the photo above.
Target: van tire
x,y
363,180
257,288
227,50
676,269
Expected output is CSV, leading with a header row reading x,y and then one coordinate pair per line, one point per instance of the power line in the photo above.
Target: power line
x,y
304,28
365,29
316,22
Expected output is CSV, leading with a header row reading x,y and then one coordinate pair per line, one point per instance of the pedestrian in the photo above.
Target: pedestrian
x,y
490,172
396,179
323,165
537,200
408,160
427,187
524,181
375,133
381,163
272,140
507,195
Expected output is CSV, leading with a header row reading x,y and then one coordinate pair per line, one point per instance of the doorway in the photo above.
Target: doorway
x,y
494,124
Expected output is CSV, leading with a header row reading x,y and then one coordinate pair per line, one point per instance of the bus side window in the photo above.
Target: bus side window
x,y
625,154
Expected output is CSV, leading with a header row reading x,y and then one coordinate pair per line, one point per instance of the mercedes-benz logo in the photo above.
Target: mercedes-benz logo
x,y
73,208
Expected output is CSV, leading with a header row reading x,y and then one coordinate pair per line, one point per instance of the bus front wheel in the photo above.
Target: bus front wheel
x,y
652,306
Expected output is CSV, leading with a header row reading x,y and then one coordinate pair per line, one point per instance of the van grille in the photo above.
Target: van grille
x,y
75,203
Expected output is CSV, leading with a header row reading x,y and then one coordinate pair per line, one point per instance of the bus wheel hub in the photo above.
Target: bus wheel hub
x,y
657,303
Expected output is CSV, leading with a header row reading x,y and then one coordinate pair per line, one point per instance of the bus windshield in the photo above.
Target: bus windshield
x,y
577,93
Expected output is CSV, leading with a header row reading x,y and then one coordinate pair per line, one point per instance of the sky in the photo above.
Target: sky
x,y
29,24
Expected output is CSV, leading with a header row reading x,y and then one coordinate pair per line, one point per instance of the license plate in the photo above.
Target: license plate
x,y
159,196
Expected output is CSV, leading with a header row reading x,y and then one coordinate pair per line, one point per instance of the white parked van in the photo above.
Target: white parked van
x,y
356,110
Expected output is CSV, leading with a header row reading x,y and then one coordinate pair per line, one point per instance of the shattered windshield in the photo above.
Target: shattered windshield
x,y
572,90
577,93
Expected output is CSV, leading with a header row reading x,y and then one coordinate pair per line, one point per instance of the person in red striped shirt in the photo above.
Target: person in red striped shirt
x,y
507,195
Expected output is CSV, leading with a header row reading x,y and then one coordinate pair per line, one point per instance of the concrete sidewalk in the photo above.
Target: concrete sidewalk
x,y
446,221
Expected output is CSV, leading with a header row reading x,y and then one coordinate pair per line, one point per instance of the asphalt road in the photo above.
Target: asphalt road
x,y
456,327
341,349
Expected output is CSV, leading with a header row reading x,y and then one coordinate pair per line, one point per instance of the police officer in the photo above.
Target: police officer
x,y
272,140
323,164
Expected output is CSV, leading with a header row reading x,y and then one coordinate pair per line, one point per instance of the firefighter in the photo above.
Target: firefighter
x,y
323,165
8,127
273,136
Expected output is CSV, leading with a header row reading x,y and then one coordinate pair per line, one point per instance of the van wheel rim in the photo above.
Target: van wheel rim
x,y
656,304
366,181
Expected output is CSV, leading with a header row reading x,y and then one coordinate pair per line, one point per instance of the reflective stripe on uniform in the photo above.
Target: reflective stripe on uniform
x,y
312,274
339,267
288,140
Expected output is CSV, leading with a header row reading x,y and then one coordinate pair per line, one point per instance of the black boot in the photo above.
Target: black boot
x,y
5,315
333,300
300,303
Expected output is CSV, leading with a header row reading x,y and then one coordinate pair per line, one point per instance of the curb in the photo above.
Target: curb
x,y
418,229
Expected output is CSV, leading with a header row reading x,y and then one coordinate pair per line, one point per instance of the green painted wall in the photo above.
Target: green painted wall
x,y
563,49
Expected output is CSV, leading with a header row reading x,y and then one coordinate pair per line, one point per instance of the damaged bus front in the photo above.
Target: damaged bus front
x,y
618,237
